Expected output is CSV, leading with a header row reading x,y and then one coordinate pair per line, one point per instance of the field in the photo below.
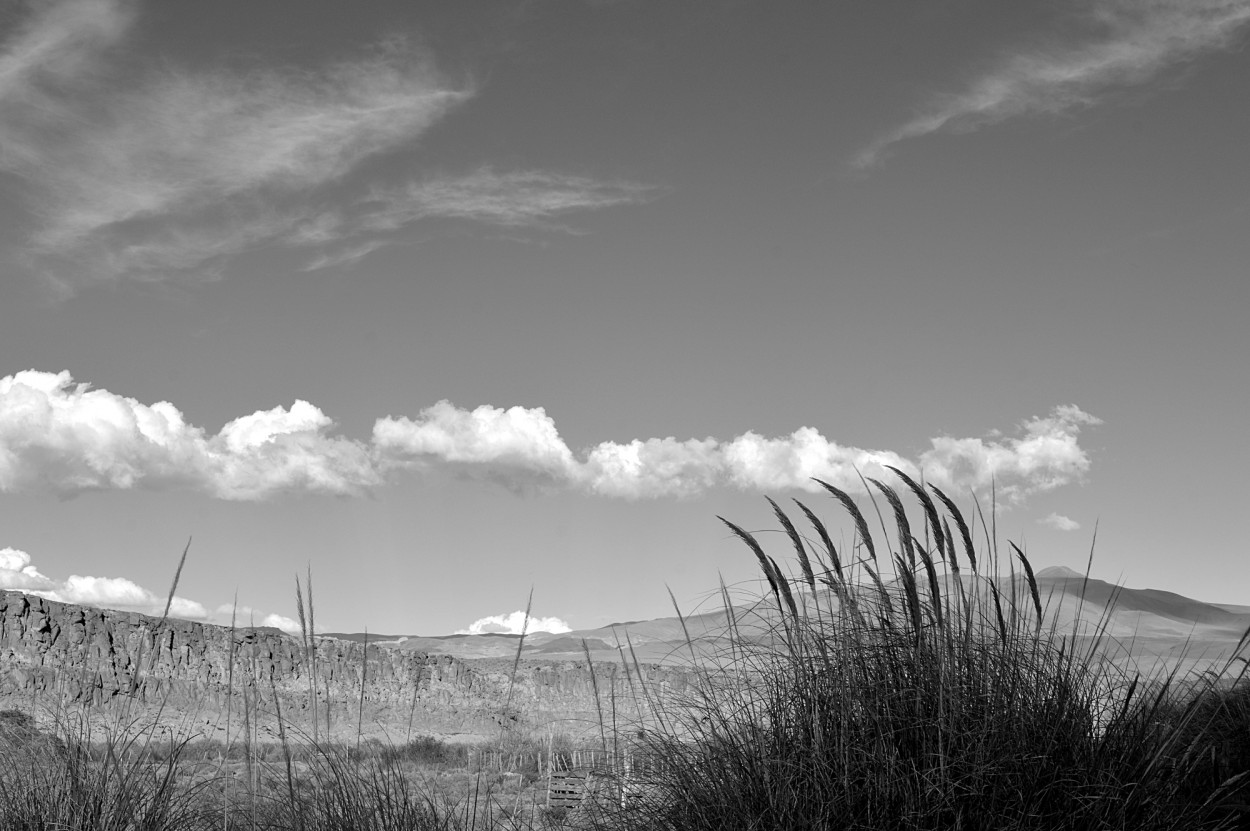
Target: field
x,y
953,695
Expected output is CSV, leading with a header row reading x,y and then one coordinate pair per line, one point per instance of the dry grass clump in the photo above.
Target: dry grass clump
x,y
115,784
131,781
941,699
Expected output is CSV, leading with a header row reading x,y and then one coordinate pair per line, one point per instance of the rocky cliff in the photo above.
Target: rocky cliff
x,y
61,658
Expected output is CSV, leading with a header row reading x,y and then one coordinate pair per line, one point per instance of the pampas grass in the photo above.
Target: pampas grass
x,y
938,700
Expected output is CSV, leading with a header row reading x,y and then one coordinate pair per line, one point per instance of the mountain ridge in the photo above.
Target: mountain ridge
x,y
1152,615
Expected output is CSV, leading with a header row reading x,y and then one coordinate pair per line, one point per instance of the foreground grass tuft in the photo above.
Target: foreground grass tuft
x,y
939,700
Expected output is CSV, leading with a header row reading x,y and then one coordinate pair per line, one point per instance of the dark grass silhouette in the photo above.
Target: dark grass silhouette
x,y
942,699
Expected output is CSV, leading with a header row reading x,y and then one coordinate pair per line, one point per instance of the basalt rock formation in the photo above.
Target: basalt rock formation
x,y
63,658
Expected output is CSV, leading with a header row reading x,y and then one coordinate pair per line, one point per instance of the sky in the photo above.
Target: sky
x,y
445,303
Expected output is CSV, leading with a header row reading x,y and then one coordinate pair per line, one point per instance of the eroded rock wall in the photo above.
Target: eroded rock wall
x,y
57,655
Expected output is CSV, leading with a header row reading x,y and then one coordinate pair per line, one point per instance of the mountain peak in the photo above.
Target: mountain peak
x,y
1060,573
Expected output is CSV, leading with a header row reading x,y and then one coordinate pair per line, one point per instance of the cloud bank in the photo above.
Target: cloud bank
x,y
514,624
62,437
144,171
521,448
1133,41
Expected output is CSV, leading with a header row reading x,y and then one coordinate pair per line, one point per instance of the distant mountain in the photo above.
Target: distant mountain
x,y
1149,624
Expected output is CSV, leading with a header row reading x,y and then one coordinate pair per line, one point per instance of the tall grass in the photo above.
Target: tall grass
x,y
113,785
126,781
940,699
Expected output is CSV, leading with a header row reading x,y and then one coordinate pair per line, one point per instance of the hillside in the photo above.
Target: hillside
x,y
56,655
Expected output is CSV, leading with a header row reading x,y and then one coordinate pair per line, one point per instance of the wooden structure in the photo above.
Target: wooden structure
x,y
572,779
566,788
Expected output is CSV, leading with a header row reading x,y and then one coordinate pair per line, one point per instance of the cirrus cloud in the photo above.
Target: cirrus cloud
x,y
1130,42
144,169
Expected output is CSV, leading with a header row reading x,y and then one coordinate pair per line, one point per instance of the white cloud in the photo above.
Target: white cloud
x,y
1060,522
513,624
652,468
250,432
17,572
1134,40
142,170
518,447
286,624
120,593
61,437
522,447
759,463
1046,456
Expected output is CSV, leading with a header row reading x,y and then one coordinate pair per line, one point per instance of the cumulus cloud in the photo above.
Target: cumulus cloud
x,y
1046,455
1060,522
62,437
286,624
1131,41
757,463
518,447
17,572
120,593
655,467
521,448
514,624
142,170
